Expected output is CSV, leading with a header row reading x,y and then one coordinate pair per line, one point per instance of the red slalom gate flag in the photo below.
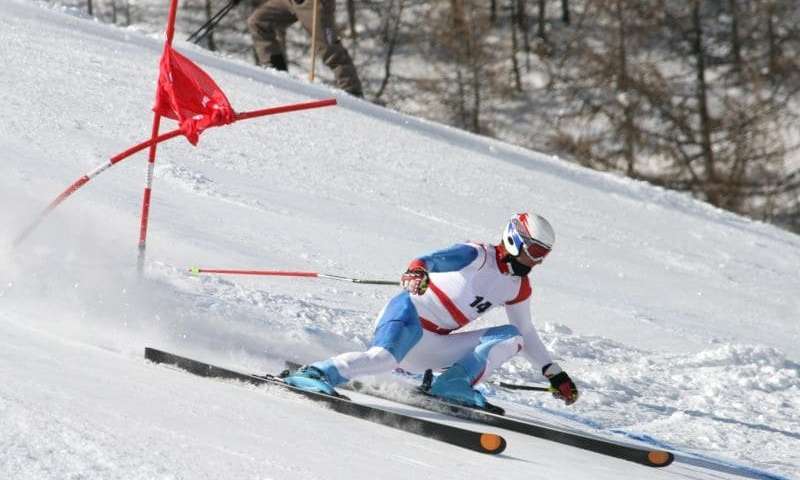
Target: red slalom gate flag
x,y
188,94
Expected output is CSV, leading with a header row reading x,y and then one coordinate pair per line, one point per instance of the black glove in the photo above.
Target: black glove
x,y
559,380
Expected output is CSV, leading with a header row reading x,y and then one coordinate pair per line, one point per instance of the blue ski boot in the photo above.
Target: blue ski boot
x,y
312,379
454,386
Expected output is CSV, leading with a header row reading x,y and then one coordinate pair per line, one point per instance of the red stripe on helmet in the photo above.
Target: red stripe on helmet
x,y
523,218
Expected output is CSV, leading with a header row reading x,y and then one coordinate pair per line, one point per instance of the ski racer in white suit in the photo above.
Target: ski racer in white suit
x,y
445,291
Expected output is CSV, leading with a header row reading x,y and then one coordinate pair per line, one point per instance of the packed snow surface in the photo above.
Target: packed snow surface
x,y
680,322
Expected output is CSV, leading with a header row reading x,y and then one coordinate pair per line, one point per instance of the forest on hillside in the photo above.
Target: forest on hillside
x,y
699,96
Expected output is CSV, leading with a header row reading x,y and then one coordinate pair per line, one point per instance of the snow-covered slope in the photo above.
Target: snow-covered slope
x,y
681,322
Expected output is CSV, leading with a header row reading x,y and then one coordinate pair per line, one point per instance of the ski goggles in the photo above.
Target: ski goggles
x,y
517,240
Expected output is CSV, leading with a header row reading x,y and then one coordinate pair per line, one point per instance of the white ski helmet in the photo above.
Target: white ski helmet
x,y
529,233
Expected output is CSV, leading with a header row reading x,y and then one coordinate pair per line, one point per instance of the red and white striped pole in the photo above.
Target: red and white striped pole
x,y
151,159
288,273
148,188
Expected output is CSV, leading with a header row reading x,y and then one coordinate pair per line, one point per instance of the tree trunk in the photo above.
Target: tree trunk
x,y
462,100
712,186
476,98
210,37
476,92
473,62
772,40
127,9
467,62
89,8
628,132
565,12
736,45
515,46
542,33
351,20
522,21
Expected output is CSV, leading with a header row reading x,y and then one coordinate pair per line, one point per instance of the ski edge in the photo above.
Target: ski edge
x,y
482,442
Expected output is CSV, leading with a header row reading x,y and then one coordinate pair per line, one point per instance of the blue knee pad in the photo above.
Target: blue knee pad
x,y
399,328
475,362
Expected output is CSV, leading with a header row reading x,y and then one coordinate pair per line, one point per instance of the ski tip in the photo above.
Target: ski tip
x,y
659,458
492,443
195,270
150,354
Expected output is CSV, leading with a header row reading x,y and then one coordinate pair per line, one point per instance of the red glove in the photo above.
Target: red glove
x,y
565,387
415,280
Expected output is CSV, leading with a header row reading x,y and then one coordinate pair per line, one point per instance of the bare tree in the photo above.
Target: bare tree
x,y
606,90
469,60
654,98
393,19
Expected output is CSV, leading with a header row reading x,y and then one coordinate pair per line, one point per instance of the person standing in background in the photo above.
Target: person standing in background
x,y
268,24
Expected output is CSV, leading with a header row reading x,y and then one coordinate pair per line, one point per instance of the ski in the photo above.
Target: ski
x,y
481,442
643,456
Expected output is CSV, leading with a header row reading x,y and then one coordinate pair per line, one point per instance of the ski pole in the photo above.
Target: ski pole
x,y
532,388
212,22
284,273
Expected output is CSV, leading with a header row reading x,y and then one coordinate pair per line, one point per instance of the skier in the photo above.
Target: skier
x,y
444,291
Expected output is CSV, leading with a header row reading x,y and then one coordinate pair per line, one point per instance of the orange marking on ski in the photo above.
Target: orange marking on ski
x,y
491,442
658,457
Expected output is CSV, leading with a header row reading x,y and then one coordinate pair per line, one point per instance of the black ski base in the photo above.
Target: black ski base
x,y
476,441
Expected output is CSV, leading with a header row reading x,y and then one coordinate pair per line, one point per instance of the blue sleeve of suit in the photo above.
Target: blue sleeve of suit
x,y
450,259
